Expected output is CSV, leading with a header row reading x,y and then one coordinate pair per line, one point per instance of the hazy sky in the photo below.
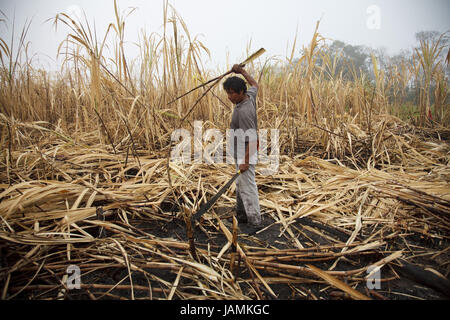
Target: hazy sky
x,y
226,27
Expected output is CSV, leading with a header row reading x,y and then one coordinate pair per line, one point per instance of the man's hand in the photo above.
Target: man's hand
x,y
243,167
237,69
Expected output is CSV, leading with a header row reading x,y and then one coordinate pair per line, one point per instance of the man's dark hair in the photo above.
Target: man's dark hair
x,y
236,84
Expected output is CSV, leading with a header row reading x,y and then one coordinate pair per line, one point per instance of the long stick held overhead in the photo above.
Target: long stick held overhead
x,y
247,61
253,57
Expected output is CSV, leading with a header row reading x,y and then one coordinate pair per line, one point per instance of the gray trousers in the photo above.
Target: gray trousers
x,y
247,200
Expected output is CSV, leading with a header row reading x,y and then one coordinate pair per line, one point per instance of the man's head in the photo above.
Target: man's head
x,y
236,89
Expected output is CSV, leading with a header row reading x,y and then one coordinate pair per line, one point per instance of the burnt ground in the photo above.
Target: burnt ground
x,y
394,286
395,289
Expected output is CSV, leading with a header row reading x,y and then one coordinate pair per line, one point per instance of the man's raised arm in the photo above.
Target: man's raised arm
x,y
238,69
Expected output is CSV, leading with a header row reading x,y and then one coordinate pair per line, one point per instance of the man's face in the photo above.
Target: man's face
x,y
234,97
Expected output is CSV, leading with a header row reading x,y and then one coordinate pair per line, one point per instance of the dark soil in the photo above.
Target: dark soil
x,y
393,287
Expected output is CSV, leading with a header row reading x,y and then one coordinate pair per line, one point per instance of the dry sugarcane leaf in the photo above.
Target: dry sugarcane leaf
x,y
338,283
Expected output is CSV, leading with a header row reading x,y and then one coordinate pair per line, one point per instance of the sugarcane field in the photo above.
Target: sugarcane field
x,y
117,181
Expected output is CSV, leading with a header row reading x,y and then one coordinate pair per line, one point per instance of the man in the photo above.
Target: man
x,y
244,144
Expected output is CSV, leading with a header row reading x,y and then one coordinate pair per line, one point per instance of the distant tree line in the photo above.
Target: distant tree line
x,y
351,62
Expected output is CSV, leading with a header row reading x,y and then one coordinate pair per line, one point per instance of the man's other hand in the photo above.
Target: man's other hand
x,y
243,167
